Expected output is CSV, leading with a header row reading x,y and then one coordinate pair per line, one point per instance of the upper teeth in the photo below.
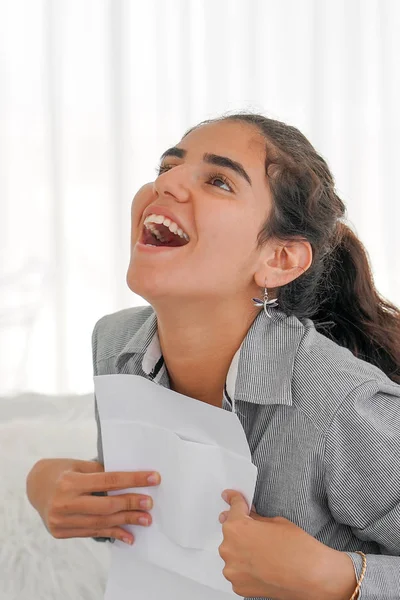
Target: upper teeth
x,y
161,220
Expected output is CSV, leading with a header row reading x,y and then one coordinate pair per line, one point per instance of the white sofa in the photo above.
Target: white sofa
x,y
33,564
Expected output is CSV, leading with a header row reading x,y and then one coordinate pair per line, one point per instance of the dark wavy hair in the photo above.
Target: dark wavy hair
x,y
337,292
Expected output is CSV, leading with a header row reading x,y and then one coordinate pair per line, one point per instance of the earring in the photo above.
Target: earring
x,y
265,303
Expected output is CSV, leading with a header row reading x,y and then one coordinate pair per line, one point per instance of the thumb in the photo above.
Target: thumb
x,y
239,507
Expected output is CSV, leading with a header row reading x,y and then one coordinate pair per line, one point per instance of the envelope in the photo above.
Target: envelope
x,y
199,450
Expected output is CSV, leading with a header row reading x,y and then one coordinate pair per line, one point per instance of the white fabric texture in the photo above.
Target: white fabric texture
x,y
91,94
33,564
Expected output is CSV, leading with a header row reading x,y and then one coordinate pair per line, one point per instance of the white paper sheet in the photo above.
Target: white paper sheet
x,y
199,450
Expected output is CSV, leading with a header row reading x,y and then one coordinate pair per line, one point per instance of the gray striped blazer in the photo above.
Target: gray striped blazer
x,y
323,429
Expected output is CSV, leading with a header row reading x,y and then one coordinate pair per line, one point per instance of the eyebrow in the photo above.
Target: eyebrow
x,y
211,159
175,151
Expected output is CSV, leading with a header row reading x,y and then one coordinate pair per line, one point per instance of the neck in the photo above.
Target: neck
x,y
198,344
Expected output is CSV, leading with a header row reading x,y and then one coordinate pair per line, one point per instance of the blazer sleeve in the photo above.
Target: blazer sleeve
x,y
362,460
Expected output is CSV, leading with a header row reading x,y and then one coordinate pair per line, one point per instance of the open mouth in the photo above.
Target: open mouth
x,y
162,231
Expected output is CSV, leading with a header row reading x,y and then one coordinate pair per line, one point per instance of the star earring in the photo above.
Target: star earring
x,y
265,303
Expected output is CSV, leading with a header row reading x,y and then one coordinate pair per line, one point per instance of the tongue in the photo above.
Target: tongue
x,y
168,238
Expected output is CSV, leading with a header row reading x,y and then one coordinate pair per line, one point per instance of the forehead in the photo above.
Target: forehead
x,y
239,141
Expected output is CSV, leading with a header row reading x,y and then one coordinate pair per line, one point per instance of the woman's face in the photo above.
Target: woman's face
x,y
213,186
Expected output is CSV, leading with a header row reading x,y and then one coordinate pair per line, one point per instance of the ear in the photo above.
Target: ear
x,y
282,263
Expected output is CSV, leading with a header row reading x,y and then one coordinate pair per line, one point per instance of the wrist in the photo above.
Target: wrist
x,y
336,578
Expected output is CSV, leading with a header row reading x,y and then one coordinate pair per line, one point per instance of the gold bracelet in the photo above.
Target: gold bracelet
x,y
364,568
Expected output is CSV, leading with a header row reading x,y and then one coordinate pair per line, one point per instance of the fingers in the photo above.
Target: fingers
x,y
113,532
238,504
107,505
90,466
223,516
99,522
76,523
253,515
114,480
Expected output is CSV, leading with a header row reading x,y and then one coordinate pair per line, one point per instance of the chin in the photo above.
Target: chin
x,y
147,284
137,283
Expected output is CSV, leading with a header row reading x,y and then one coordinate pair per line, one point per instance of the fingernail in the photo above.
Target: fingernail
x,y
146,504
154,478
143,521
127,541
222,518
225,496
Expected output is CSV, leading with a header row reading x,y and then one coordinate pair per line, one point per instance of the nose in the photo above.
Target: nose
x,y
174,183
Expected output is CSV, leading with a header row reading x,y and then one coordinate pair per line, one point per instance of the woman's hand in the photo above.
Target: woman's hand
x,y
61,491
272,557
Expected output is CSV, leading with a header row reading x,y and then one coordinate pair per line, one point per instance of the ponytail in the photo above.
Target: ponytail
x,y
358,317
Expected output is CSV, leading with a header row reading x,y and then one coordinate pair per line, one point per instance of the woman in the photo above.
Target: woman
x,y
312,367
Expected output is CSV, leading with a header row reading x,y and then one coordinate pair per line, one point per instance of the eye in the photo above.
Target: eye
x,y
218,179
163,169
215,179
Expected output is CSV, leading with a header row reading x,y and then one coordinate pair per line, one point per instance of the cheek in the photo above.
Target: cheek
x,y
231,235
140,201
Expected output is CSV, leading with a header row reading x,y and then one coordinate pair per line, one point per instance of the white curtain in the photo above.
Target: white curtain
x,y
91,93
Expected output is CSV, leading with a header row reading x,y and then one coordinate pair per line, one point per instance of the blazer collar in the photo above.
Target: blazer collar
x,y
262,369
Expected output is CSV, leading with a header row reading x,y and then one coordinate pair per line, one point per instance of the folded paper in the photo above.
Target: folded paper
x,y
199,450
